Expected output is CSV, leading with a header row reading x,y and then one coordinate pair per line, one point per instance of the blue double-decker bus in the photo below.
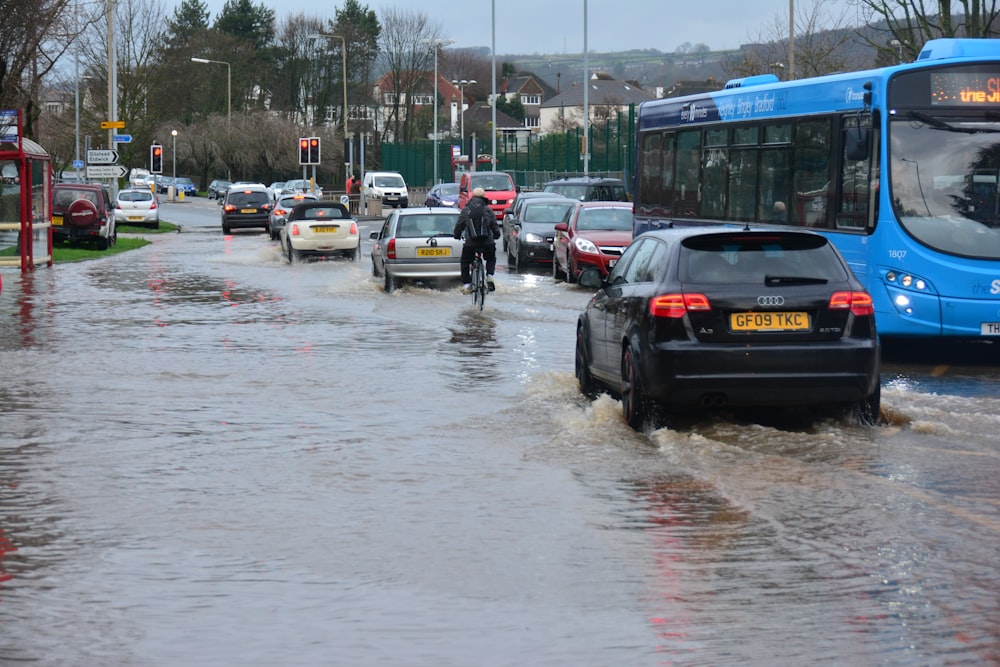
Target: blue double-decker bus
x,y
899,166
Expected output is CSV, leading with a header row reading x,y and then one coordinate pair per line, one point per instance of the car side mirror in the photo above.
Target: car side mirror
x,y
562,227
373,236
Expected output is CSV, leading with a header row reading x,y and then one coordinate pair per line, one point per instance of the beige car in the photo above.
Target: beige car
x,y
319,229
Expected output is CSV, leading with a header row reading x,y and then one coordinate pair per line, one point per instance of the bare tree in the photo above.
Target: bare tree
x,y
901,27
824,42
407,59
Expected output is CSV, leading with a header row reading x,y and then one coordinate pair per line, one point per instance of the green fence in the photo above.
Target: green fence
x,y
531,160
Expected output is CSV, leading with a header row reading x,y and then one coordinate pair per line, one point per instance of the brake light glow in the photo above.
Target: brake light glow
x,y
859,303
677,305
390,249
354,228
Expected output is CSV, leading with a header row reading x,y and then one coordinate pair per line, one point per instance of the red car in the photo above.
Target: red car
x,y
594,235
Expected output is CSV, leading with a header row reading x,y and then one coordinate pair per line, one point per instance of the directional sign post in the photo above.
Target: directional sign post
x,y
112,125
102,156
106,171
122,138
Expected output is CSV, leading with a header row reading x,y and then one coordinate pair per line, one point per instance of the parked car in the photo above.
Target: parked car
x,y
417,244
531,234
512,211
387,186
499,187
692,318
163,183
589,188
217,188
280,211
137,206
300,185
442,194
186,186
83,212
320,229
594,235
246,206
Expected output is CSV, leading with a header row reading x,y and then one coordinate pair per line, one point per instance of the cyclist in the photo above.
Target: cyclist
x,y
478,226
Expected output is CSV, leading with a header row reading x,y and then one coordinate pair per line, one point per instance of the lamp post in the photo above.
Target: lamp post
x,y
462,83
229,86
348,158
436,44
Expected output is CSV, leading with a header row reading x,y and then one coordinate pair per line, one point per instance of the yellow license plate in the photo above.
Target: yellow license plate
x,y
57,220
433,252
326,229
135,217
793,321
248,210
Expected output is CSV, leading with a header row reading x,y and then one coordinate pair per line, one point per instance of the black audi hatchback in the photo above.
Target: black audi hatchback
x,y
697,318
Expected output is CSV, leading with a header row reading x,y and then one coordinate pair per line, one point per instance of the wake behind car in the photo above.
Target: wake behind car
x,y
246,206
595,235
417,244
691,318
83,212
319,229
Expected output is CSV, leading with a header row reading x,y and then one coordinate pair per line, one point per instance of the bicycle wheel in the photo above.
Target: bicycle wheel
x,y
479,283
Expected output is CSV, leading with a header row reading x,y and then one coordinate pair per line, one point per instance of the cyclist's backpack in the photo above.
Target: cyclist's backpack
x,y
476,226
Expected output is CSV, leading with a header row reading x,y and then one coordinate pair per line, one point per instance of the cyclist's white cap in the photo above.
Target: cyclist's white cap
x,y
478,192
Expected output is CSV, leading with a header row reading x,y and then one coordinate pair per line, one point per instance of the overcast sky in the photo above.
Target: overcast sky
x,y
556,26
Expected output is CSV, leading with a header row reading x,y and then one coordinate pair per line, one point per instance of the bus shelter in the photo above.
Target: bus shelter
x,y
25,202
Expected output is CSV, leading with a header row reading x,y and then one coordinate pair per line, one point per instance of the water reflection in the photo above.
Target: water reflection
x,y
474,343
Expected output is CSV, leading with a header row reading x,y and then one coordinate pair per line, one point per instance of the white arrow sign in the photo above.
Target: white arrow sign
x,y
106,171
102,157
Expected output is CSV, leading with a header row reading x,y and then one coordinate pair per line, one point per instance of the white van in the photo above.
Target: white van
x,y
388,186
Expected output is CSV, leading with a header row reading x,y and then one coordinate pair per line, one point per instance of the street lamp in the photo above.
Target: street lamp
x,y
436,44
173,156
229,86
348,158
462,83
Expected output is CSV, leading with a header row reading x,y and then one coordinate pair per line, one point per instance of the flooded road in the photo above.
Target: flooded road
x,y
212,457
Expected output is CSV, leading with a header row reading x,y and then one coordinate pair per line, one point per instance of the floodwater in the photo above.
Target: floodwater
x,y
210,457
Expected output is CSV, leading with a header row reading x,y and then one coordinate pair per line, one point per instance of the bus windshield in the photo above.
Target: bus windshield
x,y
945,175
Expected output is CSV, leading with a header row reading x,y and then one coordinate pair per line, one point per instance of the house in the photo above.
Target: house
x,y
511,132
531,91
606,97
415,89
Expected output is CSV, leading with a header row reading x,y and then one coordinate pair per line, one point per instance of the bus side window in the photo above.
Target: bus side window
x,y
811,173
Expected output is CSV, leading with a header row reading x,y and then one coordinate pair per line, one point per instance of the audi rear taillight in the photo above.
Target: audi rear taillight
x,y
859,303
390,250
677,305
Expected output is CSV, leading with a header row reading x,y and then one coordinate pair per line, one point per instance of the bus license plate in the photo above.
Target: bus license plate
x,y
433,252
791,321
986,328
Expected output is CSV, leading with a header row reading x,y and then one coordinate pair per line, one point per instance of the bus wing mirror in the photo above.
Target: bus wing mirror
x,y
857,143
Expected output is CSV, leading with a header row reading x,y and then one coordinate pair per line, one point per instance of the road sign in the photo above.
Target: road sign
x,y
102,157
112,125
122,138
78,164
106,171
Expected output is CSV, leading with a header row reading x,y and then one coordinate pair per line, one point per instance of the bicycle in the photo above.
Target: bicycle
x,y
478,274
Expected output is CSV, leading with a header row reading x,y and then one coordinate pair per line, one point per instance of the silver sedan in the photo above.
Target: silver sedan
x,y
417,244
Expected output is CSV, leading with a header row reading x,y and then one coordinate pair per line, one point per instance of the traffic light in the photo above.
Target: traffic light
x,y
314,150
304,150
156,159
